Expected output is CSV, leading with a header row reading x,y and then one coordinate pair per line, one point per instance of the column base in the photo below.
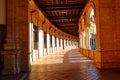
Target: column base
x,y
10,62
9,71
108,65
25,62
107,59
15,61
98,65
104,59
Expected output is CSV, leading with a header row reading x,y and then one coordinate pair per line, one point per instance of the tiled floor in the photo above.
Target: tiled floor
x,y
70,65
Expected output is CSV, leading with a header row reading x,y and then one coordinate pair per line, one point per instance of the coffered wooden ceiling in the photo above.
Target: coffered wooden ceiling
x,y
64,14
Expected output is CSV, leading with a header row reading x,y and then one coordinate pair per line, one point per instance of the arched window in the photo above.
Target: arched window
x,y
92,30
92,15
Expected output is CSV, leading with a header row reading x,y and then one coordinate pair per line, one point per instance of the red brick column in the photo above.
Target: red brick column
x,y
109,23
11,62
16,46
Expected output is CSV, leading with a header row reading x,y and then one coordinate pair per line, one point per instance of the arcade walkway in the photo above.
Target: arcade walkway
x,y
69,65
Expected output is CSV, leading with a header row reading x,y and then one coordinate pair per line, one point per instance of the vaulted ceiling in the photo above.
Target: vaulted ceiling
x,y
64,14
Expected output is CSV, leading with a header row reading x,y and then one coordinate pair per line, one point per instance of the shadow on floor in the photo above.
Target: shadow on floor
x,y
70,65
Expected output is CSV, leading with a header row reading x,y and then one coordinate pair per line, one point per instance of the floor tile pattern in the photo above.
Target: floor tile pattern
x,y
69,65
65,65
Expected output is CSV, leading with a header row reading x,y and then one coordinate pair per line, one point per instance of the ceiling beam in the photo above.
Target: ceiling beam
x,y
67,22
62,17
69,28
62,7
73,29
72,33
67,25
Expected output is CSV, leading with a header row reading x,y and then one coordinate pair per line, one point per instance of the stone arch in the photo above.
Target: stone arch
x,y
92,25
88,10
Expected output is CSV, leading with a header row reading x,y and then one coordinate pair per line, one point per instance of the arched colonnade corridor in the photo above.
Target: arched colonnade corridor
x,y
65,65
32,48
42,43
